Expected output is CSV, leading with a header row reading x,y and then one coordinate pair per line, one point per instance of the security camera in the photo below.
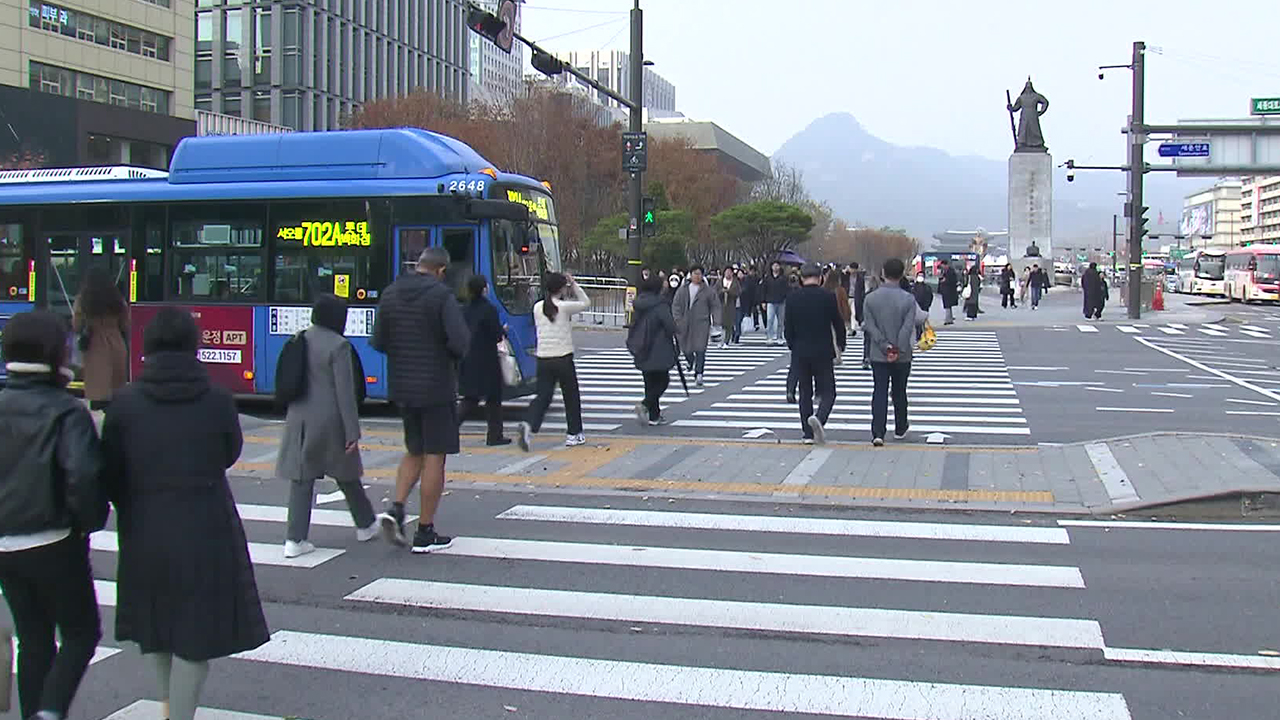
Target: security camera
x,y
1071,176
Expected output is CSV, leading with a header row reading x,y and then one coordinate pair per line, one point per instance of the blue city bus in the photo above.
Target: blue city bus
x,y
245,231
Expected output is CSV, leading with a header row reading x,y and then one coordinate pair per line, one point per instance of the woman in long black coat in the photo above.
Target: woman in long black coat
x,y
185,586
481,377
974,283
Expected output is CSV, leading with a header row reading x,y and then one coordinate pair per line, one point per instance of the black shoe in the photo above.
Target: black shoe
x,y
392,524
427,540
791,398
498,442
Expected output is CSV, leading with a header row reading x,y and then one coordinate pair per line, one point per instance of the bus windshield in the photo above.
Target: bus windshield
x,y
1268,267
1211,267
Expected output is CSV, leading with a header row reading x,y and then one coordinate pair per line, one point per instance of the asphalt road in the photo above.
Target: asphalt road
x,y
806,610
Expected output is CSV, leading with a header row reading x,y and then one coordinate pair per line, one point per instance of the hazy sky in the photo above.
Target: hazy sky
x,y
934,72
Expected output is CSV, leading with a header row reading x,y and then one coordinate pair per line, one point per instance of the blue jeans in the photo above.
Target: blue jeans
x,y
1035,296
774,330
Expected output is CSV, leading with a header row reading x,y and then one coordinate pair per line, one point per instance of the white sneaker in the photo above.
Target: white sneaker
x,y
819,432
298,549
642,414
698,381
575,440
367,534
525,436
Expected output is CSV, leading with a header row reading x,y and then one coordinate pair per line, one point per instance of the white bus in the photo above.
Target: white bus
x,y
1203,272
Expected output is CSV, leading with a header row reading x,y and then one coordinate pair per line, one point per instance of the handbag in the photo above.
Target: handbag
x,y
928,338
967,292
507,361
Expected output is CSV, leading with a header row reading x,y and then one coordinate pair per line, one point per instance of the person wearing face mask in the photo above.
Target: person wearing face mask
x,y
673,285
923,293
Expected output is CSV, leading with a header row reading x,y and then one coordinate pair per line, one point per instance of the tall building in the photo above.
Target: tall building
x,y
95,82
1211,217
496,76
308,64
612,69
1260,210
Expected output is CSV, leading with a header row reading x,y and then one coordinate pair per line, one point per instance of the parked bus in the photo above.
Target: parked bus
x,y
931,264
245,231
1202,272
1253,273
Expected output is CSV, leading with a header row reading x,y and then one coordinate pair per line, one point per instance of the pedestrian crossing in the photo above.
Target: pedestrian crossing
x,y
507,573
960,387
1214,330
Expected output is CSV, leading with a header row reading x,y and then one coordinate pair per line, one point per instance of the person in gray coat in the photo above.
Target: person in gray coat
x,y
322,430
697,309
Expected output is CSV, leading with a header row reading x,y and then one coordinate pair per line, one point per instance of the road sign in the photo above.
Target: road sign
x,y
1184,149
1265,106
635,152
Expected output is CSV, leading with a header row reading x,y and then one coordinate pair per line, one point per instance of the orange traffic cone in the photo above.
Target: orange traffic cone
x,y
1157,300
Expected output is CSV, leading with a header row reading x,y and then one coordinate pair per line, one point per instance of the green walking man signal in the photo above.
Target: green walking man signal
x,y
648,217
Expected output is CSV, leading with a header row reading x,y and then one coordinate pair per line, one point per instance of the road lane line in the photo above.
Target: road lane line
x,y
1180,326
770,563
1104,389
150,709
1192,659
1120,372
1253,412
259,553
1169,394
1214,326
1253,334
1113,477
1255,328
1250,402
1214,371
762,617
792,525
777,692
1134,410
1158,525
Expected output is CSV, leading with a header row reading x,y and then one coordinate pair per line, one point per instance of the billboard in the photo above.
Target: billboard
x,y
1197,219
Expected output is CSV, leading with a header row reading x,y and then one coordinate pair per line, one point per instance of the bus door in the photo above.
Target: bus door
x,y
71,255
459,241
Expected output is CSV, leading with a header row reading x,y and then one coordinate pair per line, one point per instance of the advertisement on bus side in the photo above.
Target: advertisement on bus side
x,y
226,343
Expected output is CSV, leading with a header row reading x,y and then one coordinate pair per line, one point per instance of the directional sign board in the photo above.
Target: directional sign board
x,y
1184,149
635,152
1265,106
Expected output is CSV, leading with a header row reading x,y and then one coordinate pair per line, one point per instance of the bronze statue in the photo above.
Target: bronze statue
x,y
1028,137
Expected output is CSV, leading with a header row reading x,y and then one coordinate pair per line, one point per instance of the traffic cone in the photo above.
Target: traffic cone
x,y
1157,300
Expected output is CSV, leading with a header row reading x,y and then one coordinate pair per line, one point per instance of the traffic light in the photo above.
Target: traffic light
x,y
490,26
1139,218
648,217
546,63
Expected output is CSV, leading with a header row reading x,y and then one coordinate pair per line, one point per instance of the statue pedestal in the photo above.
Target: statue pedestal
x,y
1030,203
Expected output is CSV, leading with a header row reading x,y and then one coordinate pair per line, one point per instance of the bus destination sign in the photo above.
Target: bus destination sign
x,y
327,233
537,204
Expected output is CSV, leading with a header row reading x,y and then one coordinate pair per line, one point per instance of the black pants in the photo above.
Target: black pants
x,y
793,380
971,309
551,372
886,374
655,384
697,361
816,376
50,588
492,414
1007,299
755,315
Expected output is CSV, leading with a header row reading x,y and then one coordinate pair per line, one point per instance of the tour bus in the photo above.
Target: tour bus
x,y
1202,272
245,231
1253,273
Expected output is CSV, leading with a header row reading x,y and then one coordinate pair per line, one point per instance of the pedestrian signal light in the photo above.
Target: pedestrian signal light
x,y
648,217
489,25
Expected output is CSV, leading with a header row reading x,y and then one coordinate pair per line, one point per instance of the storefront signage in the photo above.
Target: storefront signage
x,y
327,233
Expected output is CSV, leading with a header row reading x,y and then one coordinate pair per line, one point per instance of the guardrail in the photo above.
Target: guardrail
x,y
608,301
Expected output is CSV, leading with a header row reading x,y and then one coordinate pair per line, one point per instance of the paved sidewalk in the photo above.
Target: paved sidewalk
x,y
1084,478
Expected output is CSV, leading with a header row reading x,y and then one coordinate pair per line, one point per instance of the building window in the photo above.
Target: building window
x,y
99,31
86,86
262,105
204,74
231,104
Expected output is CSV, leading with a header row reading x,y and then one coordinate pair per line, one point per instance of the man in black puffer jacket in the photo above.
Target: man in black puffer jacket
x,y
651,342
422,331
51,498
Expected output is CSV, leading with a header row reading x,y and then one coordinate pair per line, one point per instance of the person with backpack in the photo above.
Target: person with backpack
x,y
50,500
322,427
481,377
652,344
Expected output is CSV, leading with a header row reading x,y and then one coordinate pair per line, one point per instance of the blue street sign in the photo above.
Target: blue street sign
x,y
1184,149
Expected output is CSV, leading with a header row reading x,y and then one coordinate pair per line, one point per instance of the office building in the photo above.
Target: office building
x,y
1260,210
612,69
496,76
1211,217
309,64
733,155
95,82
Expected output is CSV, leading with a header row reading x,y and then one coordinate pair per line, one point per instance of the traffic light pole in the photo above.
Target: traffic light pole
x,y
635,205
1137,168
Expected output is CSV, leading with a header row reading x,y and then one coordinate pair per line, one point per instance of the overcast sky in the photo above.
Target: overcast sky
x,y
934,72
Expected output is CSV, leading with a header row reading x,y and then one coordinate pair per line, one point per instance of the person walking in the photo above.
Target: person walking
x,y
922,293
481,376
652,344
816,334
186,592
1039,280
554,319
1008,283
420,328
1024,285
674,281
746,301
949,289
100,319
51,498
753,297
892,318
729,291
696,310
973,288
833,285
322,430
1092,284
775,288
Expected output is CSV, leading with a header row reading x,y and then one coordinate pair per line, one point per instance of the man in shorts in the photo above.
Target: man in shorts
x,y
421,330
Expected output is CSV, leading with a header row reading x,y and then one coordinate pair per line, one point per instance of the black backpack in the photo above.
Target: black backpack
x,y
291,371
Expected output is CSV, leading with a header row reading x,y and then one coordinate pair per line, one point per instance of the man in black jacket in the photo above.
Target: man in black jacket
x,y
652,344
421,329
775,287
814,330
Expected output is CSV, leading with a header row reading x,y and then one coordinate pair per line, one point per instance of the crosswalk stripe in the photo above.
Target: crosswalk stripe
x,y
1180,326
100,653
1170,331
832,426
1219,328
1256,334
1254,328
769,563
789,524
1128,329
686,685
936,391
1087,328
762,617
951,409
259,553
863,396
150,710
278,514
865,416
1214,333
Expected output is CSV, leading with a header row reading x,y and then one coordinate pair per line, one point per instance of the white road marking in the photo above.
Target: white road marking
x,y
803,472
519,465
1151,370
1201,366
955,429
259,553
1036,367
1219,328
770,563
953,409
1255,328
1104,389
1251,333
684,685
1215,333
913,415
763,617
1170,331
1175,395
1087,328
150,710
1180,326
1253,412
1156,525
275,513
1250,402
1128,329
1113,477
788,524
1134,410
1192,659
863,397
1120,372
100,653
